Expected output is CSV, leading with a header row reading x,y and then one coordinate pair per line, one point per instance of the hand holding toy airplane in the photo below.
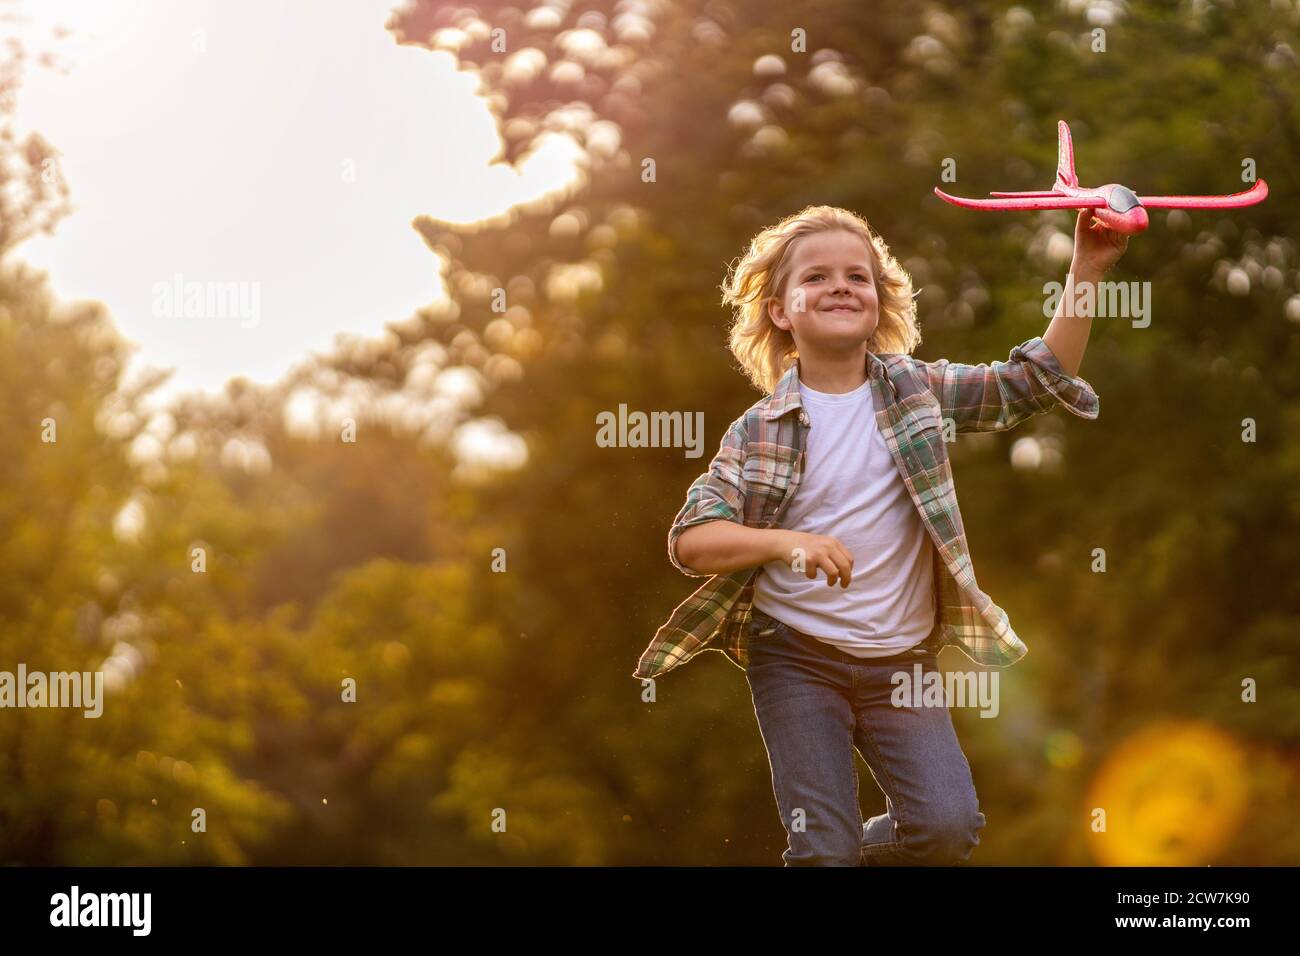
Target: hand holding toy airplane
x,y
1117,207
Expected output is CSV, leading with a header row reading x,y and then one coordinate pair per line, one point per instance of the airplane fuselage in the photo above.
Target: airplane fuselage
x,y
1123,211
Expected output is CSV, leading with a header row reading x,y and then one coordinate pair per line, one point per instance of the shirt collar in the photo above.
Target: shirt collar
x,y
785,397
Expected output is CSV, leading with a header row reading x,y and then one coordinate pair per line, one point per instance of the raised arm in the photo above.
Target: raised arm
x,y
995,397
1042,372
1096,250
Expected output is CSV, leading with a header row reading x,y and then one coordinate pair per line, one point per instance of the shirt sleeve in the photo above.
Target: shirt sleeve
x,y
718,494
990,398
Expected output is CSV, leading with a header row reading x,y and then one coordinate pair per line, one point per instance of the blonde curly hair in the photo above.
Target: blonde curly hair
x,y
765,351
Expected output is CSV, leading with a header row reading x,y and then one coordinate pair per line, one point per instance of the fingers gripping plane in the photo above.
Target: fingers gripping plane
x,y
1117,207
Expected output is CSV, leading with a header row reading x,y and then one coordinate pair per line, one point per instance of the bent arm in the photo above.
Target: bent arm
x,y
721,547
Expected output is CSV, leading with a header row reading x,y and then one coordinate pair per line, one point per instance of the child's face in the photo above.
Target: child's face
x,y
830,300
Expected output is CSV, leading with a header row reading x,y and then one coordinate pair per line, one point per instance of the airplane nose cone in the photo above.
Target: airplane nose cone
x,y
1141,219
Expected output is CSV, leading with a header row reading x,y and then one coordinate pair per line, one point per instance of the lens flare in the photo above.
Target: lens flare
x,y
1173,795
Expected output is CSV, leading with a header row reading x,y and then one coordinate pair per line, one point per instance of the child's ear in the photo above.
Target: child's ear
x,y
776,312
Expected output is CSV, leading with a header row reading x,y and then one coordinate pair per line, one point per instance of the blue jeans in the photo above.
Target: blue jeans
x,y
815,705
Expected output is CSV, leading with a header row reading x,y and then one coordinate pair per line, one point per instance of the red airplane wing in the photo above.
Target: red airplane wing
x,y
1248,197
1033,193
1041,201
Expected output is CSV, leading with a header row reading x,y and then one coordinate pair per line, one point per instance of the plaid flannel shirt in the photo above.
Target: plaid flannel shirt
x,y
757,469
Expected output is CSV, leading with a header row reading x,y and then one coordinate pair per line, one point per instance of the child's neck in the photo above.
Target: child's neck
x,y
833,375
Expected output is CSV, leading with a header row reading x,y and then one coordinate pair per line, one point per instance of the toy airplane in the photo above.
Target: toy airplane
x,y
1117,207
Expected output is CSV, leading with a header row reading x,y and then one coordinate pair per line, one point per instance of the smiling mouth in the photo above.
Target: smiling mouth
x,y
841,308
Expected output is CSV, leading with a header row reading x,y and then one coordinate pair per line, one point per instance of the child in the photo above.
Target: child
x,y
843,469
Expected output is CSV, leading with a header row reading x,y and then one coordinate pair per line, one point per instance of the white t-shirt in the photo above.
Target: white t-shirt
x,y
851,489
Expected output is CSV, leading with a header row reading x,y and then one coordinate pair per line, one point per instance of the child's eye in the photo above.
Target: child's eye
x,y
819,275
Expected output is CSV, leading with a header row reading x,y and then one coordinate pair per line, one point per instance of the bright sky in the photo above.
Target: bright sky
x,y
210,139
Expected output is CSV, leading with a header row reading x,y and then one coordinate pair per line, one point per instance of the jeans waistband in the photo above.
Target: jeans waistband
x,y
930,645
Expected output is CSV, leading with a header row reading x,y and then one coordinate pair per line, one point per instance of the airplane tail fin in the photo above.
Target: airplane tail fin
x,y
1065,156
